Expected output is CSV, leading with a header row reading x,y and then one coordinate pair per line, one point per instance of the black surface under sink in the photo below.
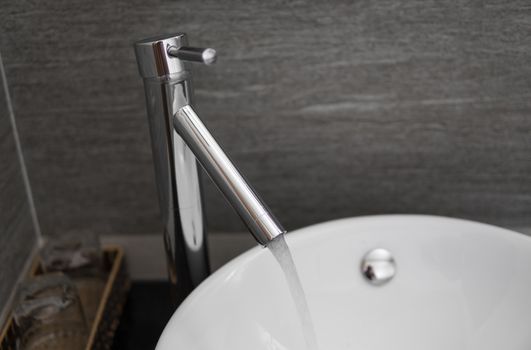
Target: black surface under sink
x,y
147,310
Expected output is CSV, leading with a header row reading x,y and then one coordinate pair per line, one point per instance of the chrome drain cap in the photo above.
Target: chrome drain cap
x,y
378,266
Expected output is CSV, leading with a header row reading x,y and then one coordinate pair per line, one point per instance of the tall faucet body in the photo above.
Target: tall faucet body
x,y
179,139
167,89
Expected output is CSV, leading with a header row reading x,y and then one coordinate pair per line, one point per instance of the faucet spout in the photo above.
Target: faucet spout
x,y
259,220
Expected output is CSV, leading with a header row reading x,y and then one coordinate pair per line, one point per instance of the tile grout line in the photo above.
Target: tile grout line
x,y
23,168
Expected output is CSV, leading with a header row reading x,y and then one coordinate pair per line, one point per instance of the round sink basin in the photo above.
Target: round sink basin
x,y
454,284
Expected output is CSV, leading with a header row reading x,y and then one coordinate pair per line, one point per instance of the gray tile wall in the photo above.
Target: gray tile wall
x,y
17,235
331,108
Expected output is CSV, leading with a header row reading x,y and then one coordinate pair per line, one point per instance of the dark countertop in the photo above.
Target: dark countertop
x,y
147,310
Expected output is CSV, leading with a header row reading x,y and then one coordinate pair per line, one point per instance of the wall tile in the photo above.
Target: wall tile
x,y
17,236
331,108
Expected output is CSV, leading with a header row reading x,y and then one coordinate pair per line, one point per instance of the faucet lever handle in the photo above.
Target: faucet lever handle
x,y
193,54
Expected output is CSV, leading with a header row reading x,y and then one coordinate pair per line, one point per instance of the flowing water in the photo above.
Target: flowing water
x,y
281,251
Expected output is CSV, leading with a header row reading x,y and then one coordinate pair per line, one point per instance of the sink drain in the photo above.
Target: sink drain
x,y
378,266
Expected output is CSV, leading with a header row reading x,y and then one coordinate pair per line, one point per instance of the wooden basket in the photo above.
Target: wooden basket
x,y
109,310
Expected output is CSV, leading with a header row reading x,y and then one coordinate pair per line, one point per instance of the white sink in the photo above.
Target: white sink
x,y
458,285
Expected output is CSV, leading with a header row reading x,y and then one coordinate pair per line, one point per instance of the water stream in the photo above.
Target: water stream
x,y
281,251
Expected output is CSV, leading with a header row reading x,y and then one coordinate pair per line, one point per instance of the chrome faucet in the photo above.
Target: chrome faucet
x,y
178,138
